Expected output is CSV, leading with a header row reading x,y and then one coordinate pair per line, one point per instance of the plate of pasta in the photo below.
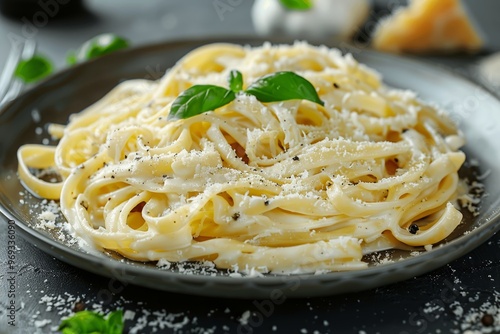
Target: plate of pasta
x,y
239,168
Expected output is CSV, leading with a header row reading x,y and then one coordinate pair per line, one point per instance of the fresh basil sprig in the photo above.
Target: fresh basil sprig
x,y
279,86
90,322
297,4
38,67
198,99
283,86
235,81
96,47
33,69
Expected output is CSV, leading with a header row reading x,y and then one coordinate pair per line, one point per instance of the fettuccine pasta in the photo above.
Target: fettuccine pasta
x,y
280,187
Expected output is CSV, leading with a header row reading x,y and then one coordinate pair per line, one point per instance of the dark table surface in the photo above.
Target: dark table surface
x,y
452,299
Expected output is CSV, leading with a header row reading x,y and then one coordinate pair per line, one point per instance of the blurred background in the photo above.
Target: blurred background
x,y
61,25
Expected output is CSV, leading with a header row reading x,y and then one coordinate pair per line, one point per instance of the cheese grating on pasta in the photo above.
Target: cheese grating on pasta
x,y
280,187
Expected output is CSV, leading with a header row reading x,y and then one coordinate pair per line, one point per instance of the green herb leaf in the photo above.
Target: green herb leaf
x,y
198,99
96,47
90,322
297,4
283,86
84,322
235,81
280,86
71,58
33,69
115,322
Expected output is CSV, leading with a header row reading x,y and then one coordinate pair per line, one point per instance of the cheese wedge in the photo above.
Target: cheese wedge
x,y
428,26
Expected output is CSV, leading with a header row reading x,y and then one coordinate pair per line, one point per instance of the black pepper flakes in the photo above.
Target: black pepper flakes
x,y
413,229
487,320
236,215
336,85
295,158
79,306
84,205
266,202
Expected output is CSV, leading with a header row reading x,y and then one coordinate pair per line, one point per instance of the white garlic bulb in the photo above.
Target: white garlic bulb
x,y
327,18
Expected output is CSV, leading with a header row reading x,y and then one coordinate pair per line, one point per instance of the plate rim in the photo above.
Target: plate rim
x,y
53,247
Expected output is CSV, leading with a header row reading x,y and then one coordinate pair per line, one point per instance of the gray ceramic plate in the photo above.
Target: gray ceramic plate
x,y
477,112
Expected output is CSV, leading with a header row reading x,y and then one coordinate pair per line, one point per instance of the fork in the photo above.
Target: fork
x,y
10,87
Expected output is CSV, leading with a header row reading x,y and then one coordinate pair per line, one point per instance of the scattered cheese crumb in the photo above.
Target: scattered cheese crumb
x,y
244,318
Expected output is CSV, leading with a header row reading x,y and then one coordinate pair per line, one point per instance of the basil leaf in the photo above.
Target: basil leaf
x,y
96,47
297,4
235,81
198,99
71,58
90,322
115,322
84,322
33,69
283,86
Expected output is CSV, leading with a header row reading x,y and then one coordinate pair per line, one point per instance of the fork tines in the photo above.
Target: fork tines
x,y
9,86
